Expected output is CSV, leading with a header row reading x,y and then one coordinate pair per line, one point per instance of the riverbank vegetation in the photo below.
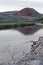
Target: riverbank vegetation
x,y
8,24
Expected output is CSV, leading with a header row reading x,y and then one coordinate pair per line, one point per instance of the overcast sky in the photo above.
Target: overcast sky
x,y
9,5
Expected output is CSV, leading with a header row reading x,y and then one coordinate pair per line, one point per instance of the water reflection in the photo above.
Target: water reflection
x,y
29,29
16,40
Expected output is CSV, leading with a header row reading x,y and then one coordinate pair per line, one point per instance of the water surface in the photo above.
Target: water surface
x,y
17,42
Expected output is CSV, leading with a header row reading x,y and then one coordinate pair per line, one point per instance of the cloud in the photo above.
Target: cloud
x,y
37,0
19,4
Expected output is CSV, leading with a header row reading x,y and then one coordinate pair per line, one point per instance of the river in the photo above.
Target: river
x,y
16,42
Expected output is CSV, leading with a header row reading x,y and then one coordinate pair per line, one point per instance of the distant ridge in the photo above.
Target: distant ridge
x,y
28,12
24,12
16,15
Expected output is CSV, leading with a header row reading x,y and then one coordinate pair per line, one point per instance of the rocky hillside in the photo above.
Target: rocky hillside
x,y
20,15
28,12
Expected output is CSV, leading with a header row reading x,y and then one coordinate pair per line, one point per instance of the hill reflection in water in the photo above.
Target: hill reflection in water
x,y
29,29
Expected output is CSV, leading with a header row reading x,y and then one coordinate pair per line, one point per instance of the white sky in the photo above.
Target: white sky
x,y
9,5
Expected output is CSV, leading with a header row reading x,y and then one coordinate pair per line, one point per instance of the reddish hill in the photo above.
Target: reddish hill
x,y
24,12
27,12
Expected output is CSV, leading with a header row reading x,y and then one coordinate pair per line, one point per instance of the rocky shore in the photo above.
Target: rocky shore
x,y
34,57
